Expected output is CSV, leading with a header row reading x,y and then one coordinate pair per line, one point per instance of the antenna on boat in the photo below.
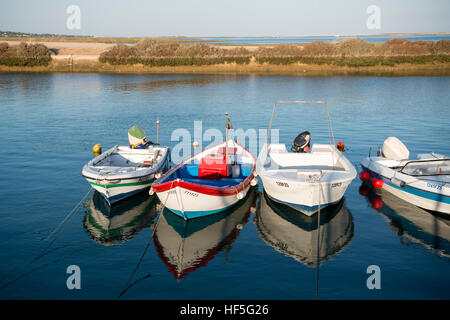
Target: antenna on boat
x,y
157,130
226,136
228,126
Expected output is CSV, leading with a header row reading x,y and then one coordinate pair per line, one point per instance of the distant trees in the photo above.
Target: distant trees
x,y
24,54
354,48
318,48
352,52
358,48
279,51
3,47
152,48
357,52
442,47
157,53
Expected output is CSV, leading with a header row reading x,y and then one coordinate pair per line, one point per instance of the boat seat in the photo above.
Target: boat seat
x,y
309,171
312,168
224,182
277,148
192,169
292,159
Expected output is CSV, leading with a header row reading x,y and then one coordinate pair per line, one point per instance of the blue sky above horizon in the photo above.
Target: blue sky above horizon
x,y
215,18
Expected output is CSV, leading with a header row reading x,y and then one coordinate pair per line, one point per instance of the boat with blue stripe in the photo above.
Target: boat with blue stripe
x,y
424,182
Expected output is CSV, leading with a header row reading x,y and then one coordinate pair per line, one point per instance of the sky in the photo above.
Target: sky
x,y
221,18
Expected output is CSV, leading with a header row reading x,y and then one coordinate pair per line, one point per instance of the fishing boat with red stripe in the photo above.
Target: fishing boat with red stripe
x,y
209,182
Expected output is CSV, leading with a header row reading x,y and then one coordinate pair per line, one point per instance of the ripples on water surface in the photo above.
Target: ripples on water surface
x,y
49,123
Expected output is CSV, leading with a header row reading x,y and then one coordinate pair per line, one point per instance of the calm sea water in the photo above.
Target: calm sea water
x,y
49,123
280,40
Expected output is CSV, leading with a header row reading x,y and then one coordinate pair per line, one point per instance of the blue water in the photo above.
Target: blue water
x,y
335,38
49,123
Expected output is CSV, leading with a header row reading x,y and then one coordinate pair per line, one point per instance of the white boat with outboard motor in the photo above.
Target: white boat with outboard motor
x,y
123,171
424,182
304,178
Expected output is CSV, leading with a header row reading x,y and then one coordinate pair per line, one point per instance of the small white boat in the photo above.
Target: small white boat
x,y
304,180
208,182
424,182
123,171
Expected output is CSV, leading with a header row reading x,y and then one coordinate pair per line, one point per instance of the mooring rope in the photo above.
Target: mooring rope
x,y
37,268
71,214
64,223
126,286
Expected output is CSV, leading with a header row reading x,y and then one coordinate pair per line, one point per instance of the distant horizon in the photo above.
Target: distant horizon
x,y
241,36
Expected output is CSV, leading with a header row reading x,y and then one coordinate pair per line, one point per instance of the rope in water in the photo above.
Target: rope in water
x,y
64,223
71,215
126,286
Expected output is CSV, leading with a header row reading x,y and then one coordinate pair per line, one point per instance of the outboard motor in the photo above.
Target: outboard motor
x,y
394,149
302,142
137,138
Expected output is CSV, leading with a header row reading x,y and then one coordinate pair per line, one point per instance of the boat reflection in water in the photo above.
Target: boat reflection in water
x,y
185,246
121,222
296,235
411,223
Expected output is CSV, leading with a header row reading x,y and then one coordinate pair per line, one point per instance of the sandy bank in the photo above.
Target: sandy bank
x,y
74,48
92,48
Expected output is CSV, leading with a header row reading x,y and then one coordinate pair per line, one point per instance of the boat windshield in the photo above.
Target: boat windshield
x,y
427,168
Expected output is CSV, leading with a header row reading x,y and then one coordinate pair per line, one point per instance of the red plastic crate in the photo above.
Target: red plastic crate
x,y
231,150
214,167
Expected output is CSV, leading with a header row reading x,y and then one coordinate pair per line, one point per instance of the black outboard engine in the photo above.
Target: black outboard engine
x,y
302,142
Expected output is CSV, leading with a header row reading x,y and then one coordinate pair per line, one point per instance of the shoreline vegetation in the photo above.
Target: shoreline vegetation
x,y
347,57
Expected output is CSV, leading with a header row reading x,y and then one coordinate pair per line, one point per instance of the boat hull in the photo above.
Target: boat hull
x,y
302,196
116,192
416,193
305,181
189,204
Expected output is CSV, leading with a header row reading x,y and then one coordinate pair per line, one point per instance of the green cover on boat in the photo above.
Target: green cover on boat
x,y
136,132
